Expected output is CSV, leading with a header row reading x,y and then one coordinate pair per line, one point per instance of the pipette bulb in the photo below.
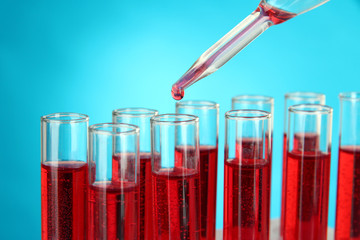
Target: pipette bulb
x,y
177,93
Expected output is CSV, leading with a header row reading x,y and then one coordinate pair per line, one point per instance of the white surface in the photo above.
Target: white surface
x,y
274,231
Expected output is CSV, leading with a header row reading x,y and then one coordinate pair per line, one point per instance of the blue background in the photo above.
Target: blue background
x,y
92,57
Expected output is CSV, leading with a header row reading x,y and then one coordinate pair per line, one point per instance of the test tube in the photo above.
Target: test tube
x,y
247,175
141,118
307,172
64,174
291,99
208,113
348,190
114,172
176,176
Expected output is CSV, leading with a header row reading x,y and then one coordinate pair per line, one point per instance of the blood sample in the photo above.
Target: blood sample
x,y
141,118
290,100
64,176
247,175
208,113
176,177
114,194
307,172
347,225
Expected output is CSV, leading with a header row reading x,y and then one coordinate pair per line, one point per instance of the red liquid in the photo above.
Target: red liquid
x,y
276,15
125,172
308,142
176,204
176,93
348,195
208,181
305,201
283,185
114,211
63,200
247,193
146,210
249,148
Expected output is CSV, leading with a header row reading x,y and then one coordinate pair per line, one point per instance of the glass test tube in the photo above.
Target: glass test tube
x,y
141,118
114,172
208,113
176,176
348,193
307,172
247,175
291,99
63,175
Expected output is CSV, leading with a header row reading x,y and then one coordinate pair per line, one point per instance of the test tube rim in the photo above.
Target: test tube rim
x,y
254,99
200,104
350,96
191,119
263,115
142,112
320,109
95,128
53,117
305,95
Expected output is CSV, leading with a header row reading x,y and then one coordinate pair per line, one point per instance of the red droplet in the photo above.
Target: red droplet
x,y
177,93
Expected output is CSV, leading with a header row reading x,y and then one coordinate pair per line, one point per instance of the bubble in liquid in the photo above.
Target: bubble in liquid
x,y
177,93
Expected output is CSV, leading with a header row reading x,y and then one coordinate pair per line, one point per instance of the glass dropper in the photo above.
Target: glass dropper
x,y
268,13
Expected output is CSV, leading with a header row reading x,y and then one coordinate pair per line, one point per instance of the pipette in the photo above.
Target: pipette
x,y
268,13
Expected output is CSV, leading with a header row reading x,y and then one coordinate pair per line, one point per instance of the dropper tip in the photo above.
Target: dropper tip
x,y
177,93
